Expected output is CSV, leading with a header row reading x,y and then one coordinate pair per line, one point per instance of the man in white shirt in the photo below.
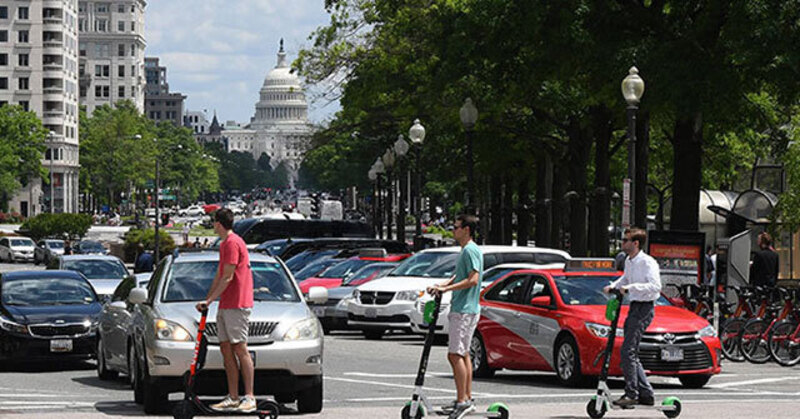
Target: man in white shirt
x,y
642,282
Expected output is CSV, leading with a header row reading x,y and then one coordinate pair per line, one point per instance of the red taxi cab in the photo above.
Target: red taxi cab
x,y
554,320
335,275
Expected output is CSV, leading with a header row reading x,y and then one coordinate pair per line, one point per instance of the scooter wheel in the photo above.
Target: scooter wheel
x,y
184,409
593,413
673,413
499,409
406,412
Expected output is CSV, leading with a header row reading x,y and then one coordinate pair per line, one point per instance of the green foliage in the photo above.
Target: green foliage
x,y
22,144
70,226
239,171
146,238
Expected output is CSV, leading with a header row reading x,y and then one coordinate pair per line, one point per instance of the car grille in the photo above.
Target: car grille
x,y
376,297
669,338
254,329
47,330
695,357
397,318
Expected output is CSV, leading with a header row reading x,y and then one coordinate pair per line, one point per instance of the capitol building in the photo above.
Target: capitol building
x,y
279,127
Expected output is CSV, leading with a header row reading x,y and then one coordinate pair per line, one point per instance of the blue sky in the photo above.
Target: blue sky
x,y
217,52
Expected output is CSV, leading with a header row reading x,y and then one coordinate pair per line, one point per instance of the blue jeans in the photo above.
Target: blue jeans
x,y
639,317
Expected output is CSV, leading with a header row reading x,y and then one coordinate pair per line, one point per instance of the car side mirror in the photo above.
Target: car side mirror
x,y
542,300
317,295
119,304
137,296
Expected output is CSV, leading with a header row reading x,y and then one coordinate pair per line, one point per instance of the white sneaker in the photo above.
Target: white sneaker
x,y
247,405
227,405
462,409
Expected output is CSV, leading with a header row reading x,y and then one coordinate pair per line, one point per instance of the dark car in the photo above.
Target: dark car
x,y
47,314
259,230
309,257
89,247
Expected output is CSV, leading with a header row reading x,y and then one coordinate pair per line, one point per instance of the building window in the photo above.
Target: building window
x,y
121,8
81,7
3,83
22,36
25,105
120,26
101,25
23,60
3,59
22,13
121,50
82,25
101,70
121,71
121,92
4,36
3,12
101,91
133,50
101,8
23,83
133,26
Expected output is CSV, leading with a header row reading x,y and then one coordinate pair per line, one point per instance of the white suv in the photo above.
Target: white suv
x,y
390,302
285,338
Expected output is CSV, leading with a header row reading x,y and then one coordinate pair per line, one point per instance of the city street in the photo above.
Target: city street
x,y
367,379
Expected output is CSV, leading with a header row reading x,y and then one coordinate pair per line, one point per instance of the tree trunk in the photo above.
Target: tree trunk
x,y
523,211
642,159
508,210
544,200
558,207
601,202
495,224
579,144
687,172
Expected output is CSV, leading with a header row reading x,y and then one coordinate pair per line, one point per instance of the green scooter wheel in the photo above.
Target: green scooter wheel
x,y
501,409
406,412
672,401
592,412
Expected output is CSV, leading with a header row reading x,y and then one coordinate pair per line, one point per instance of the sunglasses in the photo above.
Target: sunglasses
x,y
454,227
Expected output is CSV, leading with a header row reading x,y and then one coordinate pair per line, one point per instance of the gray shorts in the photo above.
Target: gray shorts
x,y
461,328
233,325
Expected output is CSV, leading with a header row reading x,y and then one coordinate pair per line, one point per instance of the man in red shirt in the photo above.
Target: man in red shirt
x,y
233,285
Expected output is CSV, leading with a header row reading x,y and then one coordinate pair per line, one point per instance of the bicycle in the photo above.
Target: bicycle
x,y
784,339
754,338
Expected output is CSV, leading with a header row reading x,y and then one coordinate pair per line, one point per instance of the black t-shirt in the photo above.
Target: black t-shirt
x,y
764,271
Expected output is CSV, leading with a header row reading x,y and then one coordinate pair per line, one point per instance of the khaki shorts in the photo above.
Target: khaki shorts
x,y
233,325
462,327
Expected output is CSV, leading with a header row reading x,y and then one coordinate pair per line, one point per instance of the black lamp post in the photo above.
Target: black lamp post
x,y
373,176
388,162
632,91
469,115
379,170
400,150
417,135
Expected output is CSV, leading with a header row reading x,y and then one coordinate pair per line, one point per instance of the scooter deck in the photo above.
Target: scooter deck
x,y
658,407
476,413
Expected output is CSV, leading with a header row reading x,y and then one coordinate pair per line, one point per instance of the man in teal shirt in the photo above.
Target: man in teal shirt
x,y
464,311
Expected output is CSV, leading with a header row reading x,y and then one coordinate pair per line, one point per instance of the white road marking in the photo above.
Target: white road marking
x,y
378,383
15,395
28,405
373,375
749,382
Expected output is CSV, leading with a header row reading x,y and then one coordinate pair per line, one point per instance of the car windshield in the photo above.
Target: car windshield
x,y
97,269
302,259
47,292
21,242
369,272
55,245
315,269
430,264
91,246
190,281
344,269
588,290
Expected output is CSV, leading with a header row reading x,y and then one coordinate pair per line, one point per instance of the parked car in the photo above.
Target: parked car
x,y
388,303
114,347
335,275
46,250
103,272
16,249
285,338
554,320
192,211
47,314
89,247
316,267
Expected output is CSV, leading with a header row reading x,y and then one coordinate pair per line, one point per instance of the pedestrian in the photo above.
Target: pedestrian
x,y
708,265
464,311
196,244
205,243
186,229
144,263
67,247
764,270
233,285
642,283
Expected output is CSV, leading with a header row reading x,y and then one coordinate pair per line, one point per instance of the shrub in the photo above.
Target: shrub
x,y
146,238
71,226
11,217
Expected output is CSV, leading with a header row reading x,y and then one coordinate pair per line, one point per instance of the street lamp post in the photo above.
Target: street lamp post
x,y
417,135
373,176
632,91
401,149
469,115
388,162
51,137
158,192
379,170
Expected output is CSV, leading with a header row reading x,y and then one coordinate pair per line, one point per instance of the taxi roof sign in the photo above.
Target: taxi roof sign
x,y
590,264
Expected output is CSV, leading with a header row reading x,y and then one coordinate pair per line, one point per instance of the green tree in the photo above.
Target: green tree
x,y
22,144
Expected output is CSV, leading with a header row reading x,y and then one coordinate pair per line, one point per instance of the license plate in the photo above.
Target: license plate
x,y
61,345
371,313
671,354
319,311
253,357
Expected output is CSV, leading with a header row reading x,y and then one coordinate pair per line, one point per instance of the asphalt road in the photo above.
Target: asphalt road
x,y
373,379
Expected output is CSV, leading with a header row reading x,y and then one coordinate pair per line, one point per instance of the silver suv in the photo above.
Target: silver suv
x,y
285,338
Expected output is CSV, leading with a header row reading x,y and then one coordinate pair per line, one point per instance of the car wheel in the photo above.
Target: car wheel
x,y
374,334
477,354
310,399
103,372
155,399
567,362
135,375
694,381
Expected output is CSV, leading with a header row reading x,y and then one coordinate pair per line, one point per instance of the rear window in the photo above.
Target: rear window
x,y
21,242
97,269
190,281
431,264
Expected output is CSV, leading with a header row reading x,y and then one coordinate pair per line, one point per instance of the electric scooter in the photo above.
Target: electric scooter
x,y
191,404
419,402
602,402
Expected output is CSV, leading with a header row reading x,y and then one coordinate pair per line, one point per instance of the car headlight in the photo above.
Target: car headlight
x,y
343,303
13,327
90,324
408,295
601,330
303,330
167,330
707,332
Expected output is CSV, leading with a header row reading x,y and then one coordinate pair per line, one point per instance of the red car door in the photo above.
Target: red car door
x,y
539,328
501,322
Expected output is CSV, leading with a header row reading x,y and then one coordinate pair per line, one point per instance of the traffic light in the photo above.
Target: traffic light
x,y
315,204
